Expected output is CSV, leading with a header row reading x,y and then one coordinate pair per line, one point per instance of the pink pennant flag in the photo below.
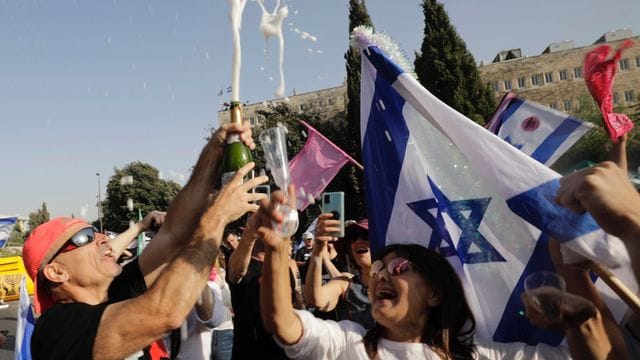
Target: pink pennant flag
x,y
599,73
313,168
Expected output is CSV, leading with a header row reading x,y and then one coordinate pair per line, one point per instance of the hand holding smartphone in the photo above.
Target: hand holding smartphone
x,y
333,202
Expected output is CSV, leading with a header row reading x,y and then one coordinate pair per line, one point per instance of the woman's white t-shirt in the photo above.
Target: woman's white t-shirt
x,y
326,339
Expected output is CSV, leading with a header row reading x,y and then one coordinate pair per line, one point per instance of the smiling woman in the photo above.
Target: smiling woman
x,y
433,282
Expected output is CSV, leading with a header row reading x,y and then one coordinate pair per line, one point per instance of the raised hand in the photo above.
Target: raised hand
x,y
235,199
268,212
607,194
326,226
244,130
153,220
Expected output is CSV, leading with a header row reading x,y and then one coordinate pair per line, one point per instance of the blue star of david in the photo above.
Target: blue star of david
x,y
469,226
517,146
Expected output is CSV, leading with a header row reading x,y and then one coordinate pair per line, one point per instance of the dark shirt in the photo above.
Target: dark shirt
x,y
68,331
303,255
249,336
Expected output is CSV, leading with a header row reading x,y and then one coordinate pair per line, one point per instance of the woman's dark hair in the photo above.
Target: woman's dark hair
x,y
450,326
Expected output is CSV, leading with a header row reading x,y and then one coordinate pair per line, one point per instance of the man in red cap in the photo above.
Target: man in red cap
x,y
92,308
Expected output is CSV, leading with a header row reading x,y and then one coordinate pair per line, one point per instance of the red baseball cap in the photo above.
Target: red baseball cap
x,y
43,243
353,228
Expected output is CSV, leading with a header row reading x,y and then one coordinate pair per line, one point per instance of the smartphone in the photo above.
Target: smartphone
x,y
333,202
263,189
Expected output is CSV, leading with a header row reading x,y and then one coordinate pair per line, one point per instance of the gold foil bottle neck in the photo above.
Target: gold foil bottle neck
x,y
236,113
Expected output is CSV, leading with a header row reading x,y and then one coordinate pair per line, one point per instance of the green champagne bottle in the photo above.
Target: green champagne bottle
x,y
236,153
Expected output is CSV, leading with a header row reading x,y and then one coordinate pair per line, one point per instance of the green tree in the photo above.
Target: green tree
x,y
358,15
16,237
447,69
147,191
38,217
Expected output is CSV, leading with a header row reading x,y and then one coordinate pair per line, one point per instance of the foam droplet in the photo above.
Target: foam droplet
x,y
130,204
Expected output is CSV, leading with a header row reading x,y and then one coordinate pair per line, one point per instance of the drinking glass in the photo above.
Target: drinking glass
x,y
274,145
546,289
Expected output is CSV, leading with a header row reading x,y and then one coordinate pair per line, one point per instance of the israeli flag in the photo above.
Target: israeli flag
x,y
436,178
6,226
25,325
538,131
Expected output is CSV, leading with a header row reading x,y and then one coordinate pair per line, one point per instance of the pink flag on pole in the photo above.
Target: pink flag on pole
x,y
313,168
599,73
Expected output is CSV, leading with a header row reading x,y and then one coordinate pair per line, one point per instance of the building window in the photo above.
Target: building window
x,y
553,105
536,80
332,101
495,86
252,121
638,61
629,96
624,64
521,83
507,84
567,105
548,77
616,98
303,107
563,75
577,72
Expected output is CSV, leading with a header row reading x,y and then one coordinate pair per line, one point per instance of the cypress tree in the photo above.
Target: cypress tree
x,y
448,70
354,194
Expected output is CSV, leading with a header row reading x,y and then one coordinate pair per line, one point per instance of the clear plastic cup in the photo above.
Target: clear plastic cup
x,y
546,289
274,145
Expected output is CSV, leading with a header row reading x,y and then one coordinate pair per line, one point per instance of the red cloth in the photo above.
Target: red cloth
x,y
598,75
157,351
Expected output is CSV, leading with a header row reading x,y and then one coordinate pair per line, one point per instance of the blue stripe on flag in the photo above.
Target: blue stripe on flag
x,y
514,325
514,105
25,352
385,67
8,221
537,206
551,144
383,151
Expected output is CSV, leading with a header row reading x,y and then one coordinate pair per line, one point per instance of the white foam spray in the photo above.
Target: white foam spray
x,y
235,15
271,25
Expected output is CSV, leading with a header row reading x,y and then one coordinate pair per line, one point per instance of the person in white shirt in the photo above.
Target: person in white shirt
x,y
418,303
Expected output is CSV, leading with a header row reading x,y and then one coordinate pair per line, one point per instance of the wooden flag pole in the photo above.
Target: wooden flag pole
x,y
618,287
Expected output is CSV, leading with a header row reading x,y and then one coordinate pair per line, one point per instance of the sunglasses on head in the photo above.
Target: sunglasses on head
x,y
397,266
79,239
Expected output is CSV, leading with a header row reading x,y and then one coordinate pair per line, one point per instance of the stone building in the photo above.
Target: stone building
x,y
331,103
555,77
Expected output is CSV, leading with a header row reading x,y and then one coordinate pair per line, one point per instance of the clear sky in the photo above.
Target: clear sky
x,y
89,85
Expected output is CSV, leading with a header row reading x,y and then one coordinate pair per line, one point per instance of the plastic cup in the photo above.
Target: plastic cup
x,y
289,226
274,145
547,290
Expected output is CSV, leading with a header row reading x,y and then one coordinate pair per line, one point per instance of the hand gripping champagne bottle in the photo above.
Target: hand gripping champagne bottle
x,y
236,153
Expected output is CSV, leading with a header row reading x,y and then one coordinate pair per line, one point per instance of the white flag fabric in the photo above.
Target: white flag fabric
x,y
436,178
538,131
25,325
6,226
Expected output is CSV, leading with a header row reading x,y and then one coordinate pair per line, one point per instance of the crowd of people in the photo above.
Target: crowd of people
x,y
199,291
